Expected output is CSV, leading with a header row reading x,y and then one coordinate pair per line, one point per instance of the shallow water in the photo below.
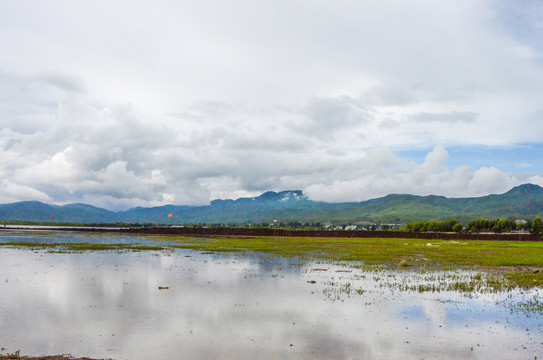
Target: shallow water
x,y
108,304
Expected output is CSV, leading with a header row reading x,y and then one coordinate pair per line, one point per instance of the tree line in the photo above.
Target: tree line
x,y
477,226
434,226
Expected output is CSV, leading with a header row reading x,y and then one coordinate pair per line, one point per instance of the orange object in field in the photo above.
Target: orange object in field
x,y
169,215
52,217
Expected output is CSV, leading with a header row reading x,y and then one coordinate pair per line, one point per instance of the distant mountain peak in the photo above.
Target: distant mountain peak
x,y
281,196
522,202
292,195
525,189
268,196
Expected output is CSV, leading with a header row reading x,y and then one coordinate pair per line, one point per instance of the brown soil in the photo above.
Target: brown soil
x,y
213,232
51,357
514,269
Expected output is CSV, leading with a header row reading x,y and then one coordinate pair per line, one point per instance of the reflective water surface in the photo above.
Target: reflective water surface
x,y
109,305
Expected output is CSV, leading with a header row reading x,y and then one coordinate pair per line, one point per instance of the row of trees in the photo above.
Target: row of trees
x,y
435,226
479,225
498,225
537,226
506,225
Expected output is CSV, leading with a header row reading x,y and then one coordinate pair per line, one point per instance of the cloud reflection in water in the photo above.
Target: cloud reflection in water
x,y
107,304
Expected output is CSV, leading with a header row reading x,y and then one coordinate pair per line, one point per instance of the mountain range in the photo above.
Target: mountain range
x,y
521,202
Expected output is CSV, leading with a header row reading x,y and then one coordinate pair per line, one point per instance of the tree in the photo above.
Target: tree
x,y
537,226
416,227
526,225
501,225
457,228
479,225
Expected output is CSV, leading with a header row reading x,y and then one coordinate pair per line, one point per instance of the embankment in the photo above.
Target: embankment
x,y
198,231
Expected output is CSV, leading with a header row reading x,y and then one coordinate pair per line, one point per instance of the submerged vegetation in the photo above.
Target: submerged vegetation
x,y
504,265
508,264
15,355
381,251
466,282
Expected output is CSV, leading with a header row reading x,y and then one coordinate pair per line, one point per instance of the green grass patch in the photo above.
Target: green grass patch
x,y
519,264
382,251
15,355
525,279
506,264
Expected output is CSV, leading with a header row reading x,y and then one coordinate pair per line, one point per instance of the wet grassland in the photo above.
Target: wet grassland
x,y
496,265
503,264
470,297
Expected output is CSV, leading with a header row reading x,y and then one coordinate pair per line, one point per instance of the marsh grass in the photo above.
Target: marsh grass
x,y
507,264
15,355
381,251
530,307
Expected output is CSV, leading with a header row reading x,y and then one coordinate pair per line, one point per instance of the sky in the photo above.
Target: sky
x,y
144,103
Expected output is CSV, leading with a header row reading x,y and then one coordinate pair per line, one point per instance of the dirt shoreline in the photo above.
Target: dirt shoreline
x,y
219,232
41,357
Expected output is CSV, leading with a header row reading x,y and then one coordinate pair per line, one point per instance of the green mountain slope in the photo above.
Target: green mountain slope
x,y
40,212
525,201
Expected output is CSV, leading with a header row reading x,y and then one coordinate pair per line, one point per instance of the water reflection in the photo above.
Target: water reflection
x,y
108,304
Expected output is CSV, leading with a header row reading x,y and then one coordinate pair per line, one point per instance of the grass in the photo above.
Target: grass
x,y
15,355
510,264
381,251
507,264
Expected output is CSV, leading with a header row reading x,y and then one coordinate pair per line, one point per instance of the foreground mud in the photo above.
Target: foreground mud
x,y
52,357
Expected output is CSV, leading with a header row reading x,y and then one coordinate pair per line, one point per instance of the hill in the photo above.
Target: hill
x,y
71,213
524,201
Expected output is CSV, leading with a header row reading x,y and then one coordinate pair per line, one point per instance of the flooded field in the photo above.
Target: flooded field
x,y
179,303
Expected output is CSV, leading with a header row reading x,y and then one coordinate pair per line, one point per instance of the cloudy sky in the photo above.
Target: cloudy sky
x,y
126,103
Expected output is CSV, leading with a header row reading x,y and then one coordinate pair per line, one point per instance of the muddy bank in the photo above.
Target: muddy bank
x,y
52,357
197,231
329,233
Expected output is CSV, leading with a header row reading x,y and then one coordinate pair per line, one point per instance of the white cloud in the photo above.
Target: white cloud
x,y
10,192
428,178
184,102
453,116
490,178
108,157
536,179
434,161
